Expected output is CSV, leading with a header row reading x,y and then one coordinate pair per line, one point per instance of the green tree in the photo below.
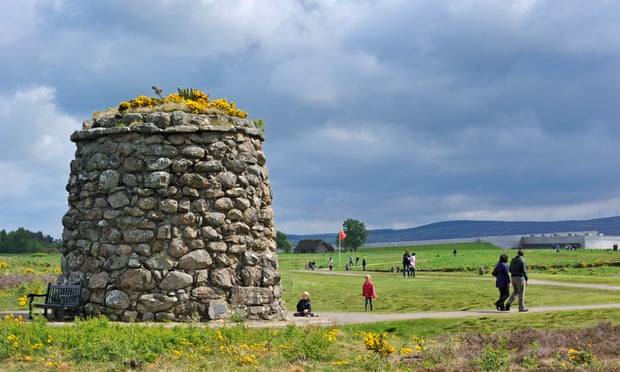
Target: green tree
x,y
283,243
22,241
356,234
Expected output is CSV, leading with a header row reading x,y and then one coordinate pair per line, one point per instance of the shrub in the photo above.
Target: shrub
x,y
186,99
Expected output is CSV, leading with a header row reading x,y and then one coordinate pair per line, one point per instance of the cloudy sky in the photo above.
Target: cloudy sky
x,y
394,113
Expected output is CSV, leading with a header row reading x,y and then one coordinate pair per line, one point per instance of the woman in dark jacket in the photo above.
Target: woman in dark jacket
x,y
502,281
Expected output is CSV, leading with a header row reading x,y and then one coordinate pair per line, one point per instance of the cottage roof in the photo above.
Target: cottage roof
x,y
313,246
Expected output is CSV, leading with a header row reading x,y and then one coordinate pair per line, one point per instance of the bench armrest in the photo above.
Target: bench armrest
x,y
33,295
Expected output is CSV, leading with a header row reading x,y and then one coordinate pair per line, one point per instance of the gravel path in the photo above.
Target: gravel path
x,y
334,319
371,317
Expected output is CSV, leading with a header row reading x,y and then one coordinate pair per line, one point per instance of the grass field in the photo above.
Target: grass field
x,y
447,282
469,257
560,340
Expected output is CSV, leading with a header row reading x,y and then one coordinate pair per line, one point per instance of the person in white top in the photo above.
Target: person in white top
x,y
412,265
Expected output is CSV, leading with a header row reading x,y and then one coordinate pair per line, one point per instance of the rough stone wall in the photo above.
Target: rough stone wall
x,y
170,219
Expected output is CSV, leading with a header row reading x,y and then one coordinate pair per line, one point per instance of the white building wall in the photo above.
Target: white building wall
x,y
602,242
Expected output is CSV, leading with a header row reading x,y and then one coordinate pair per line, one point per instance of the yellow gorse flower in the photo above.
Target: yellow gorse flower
x,y
11,318
378,343
331,336
194,100
579,357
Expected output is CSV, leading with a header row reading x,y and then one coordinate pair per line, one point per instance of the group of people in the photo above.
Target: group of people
x,y
349,266
357,260
505,275
568,247
408,264
311,265
514,274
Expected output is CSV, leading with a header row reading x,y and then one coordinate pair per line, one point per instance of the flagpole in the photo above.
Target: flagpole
x,y
339,250
341,236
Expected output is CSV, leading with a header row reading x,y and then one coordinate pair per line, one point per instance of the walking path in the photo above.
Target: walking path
x,y
371,317
334,319
576,285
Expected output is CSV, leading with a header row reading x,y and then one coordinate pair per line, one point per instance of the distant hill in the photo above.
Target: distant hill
x,y
473,229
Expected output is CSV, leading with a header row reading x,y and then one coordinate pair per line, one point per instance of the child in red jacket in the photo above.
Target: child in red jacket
x,y
368,291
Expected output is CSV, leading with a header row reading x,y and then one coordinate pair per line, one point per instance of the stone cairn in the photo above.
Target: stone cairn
x,y
170,219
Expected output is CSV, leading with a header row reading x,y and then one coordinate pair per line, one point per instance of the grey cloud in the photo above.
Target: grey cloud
x,y
396,113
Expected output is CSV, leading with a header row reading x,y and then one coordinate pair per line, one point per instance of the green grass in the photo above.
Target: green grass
x,y
470,257
431,328
446,282
41,263
101,345
446,292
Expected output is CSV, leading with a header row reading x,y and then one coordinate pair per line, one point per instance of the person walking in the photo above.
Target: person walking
x,y
502,281
369,293
364,263
518,273
330,263
412,265
406,263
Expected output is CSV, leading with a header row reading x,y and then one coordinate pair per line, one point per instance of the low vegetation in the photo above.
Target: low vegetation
x,y
571,340
185,99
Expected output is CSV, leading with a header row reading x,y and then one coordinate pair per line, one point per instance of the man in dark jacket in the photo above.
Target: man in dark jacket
x,y
518,273
406,264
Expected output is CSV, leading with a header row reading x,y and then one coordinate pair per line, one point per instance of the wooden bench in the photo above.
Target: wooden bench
x,y
59,298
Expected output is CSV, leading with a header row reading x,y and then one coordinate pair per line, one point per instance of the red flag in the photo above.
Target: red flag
x,y
342,235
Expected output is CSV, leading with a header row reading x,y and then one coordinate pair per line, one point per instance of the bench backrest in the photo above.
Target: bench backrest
x,y
67,295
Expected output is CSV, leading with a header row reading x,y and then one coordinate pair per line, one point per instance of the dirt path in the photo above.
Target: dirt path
x,y
334,319
371,317
576,285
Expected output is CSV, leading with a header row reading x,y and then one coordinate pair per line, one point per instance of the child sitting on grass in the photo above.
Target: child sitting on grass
x,y
304,307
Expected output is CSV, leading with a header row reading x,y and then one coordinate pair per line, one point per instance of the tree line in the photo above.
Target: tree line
x,y
25,241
